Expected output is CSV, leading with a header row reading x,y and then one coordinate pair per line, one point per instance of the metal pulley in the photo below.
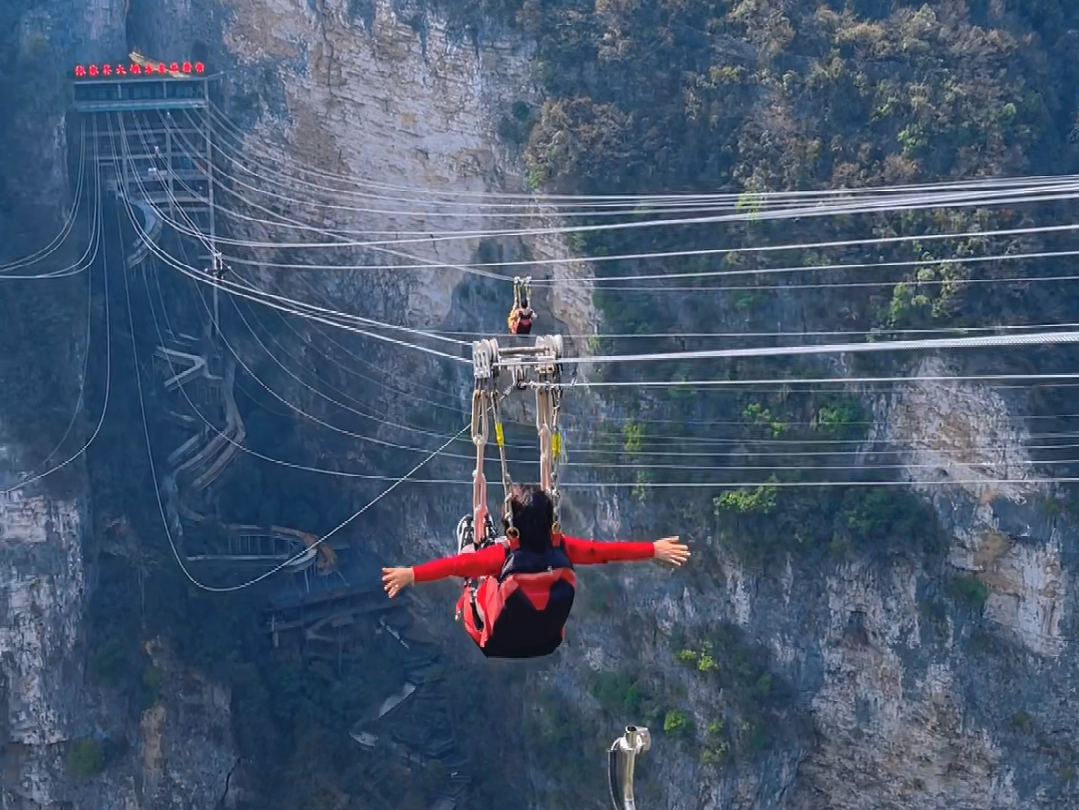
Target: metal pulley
x,y
522,290
621,761
537,366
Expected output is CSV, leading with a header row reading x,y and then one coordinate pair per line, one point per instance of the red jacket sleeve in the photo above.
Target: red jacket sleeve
x,y
593,552
485,562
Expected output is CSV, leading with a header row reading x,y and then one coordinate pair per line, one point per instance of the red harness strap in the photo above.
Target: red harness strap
x,y
491,595
465,609
536,588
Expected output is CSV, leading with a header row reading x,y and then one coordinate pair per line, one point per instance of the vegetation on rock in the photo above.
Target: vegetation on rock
x,y
661,96
753,96
85,758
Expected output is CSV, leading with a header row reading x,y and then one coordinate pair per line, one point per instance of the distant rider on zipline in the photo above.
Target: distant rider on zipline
x,y
520,319
521,314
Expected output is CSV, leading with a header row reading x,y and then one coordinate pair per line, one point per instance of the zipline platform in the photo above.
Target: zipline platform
x,y
132,93
148,132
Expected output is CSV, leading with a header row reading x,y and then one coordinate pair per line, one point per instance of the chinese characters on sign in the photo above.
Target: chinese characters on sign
x,y
161,69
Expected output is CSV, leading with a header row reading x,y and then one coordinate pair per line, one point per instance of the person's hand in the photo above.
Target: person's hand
x,y
671,551
394,579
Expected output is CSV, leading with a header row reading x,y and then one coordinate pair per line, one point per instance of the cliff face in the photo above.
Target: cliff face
x,y
42,526
880,679
854,680
388,94
42,587
899,684
918,706
54,719
405,107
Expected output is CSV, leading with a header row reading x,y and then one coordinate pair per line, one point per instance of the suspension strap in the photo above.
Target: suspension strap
x,y
548,399
479,480
500,439
483,359
557,451
544,414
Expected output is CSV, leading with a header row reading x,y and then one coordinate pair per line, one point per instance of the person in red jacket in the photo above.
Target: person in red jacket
x,y
519,591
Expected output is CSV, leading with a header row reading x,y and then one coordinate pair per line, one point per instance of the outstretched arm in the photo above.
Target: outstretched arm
x,y
486,562
593,552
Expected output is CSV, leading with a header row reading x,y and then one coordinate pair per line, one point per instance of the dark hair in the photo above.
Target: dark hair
x,y
533,516
524,302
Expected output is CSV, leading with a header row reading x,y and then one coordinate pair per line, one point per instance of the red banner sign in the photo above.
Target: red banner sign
x,y
133,69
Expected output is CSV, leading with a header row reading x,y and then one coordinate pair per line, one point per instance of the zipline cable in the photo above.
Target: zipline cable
x,y
99,231
343,242
1071,187
682,467
161,507
271,301
755,271
66,227
923,344
285,157
951,197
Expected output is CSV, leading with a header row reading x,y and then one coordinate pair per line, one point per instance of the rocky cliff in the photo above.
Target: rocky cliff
x,y
935,673
61,726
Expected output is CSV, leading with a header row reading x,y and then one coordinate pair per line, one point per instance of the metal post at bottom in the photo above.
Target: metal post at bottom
x,y
621,760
